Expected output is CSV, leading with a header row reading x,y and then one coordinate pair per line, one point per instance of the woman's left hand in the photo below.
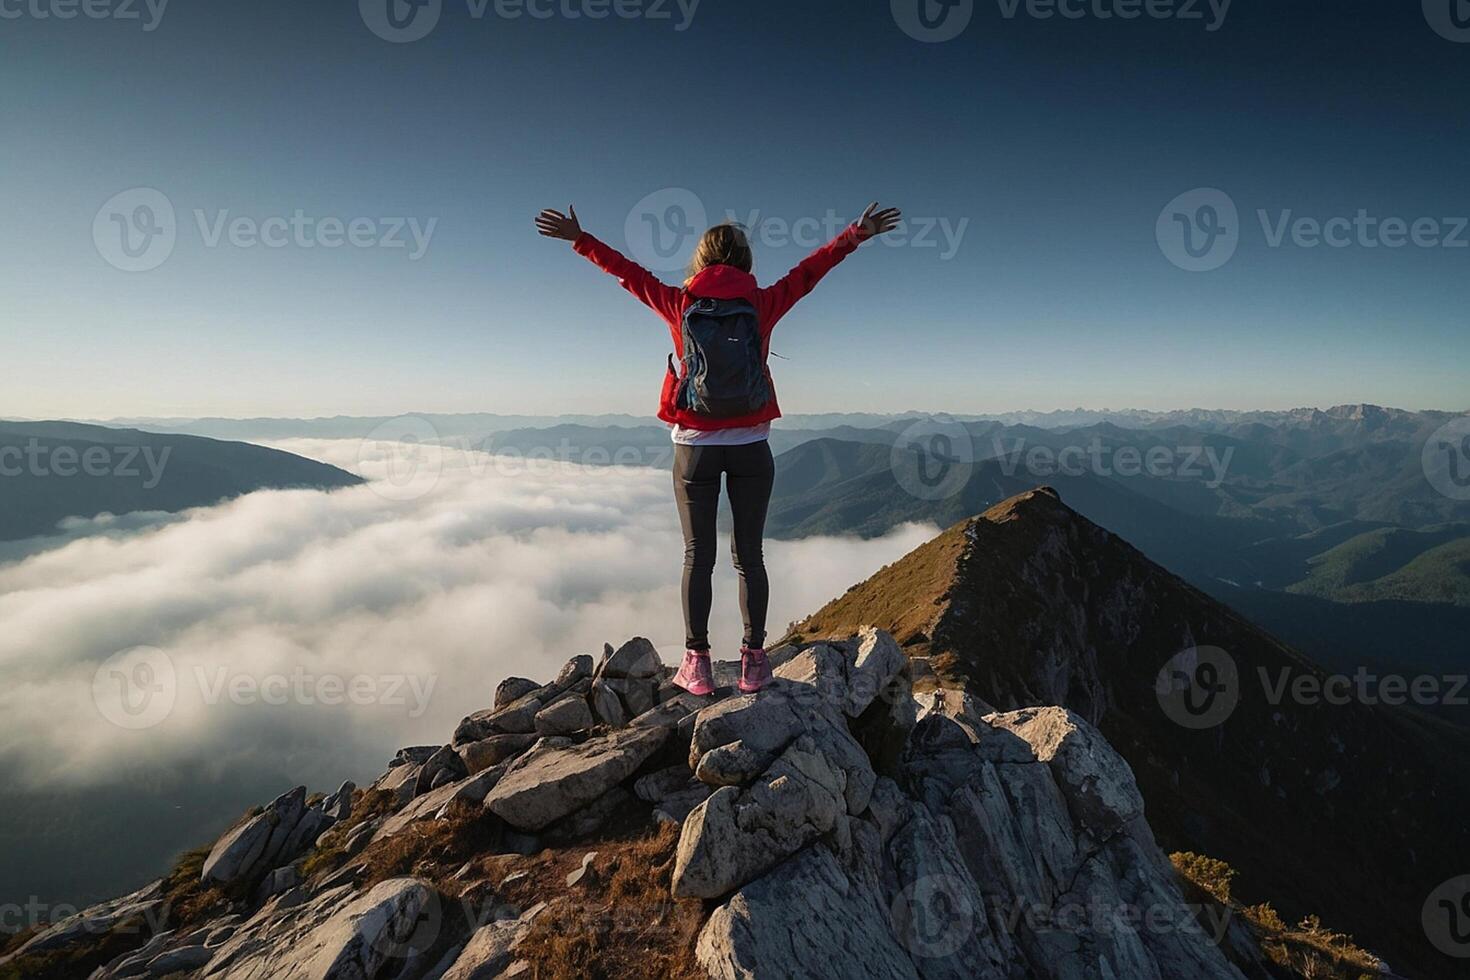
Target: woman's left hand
x,y
554,224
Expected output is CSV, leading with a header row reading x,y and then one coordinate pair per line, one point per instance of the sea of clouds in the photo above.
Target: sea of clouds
x,y
307,635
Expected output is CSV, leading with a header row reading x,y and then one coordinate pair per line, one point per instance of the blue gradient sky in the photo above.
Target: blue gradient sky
x,y
1060,141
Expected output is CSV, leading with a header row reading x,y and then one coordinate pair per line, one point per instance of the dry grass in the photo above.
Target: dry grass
x,y
1308,950
330,852
623,922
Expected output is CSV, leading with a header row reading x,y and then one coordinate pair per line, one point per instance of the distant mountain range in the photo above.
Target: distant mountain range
x,y
50,471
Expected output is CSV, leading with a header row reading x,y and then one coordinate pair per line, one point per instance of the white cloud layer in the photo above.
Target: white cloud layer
x,y
415,594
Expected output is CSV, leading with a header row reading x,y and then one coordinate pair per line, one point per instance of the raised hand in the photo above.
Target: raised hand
x,y
876,222
554,224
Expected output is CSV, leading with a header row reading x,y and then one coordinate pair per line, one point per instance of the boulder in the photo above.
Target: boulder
x,y
877,662
803,919
636,658
637,694
488,752
441,767
490,952
556,782
737,835
512,689
564,717
607,706
258,844
180,960
335,936
576,669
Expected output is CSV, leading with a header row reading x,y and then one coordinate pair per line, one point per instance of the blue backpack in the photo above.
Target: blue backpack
x,y
724,365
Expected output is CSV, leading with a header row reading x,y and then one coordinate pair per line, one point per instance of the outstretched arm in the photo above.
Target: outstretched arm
x,y
803,279
662,298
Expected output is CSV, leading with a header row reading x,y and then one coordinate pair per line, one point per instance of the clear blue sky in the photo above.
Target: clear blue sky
x,y
1060,141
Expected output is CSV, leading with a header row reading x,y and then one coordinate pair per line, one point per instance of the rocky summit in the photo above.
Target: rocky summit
x,y
869,814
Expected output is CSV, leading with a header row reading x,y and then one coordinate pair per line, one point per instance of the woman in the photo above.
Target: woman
x,y
720,405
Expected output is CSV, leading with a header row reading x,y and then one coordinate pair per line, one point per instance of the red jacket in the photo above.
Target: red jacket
x,y
719,282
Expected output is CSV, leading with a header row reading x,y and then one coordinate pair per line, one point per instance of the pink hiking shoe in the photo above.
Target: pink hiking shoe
x,y
755,670
695,675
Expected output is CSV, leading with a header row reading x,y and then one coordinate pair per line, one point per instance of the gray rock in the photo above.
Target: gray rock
x,y
879,660
737,835
179,960
414,755
636,658
731,765
338,806
436,803
143,909
676,807
491,950
512,689
278,881
445,761
665,782
257,844
576,669
636,693
588,820
400,780
764,724
805,919
564,717
488,752
557,782
607,706
336,936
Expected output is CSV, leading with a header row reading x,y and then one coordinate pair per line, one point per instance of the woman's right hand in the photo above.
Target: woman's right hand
x,y
554,224
875,222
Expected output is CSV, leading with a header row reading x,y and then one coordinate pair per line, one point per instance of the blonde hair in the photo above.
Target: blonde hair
x,y
724,244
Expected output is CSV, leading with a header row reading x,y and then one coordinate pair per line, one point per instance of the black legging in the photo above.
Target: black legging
x,y
749,472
